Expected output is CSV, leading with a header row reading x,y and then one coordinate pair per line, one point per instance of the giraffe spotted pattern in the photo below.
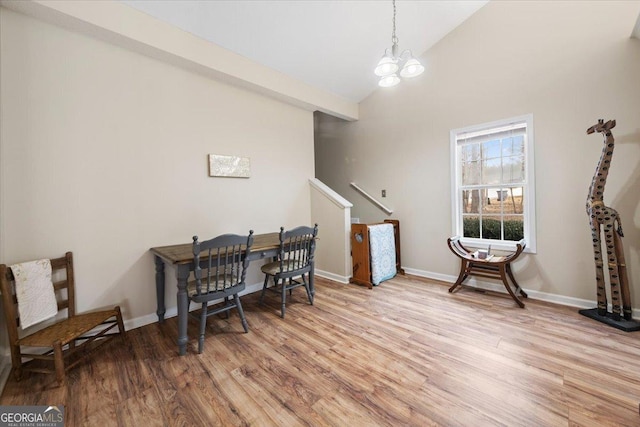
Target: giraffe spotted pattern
x,y
605,220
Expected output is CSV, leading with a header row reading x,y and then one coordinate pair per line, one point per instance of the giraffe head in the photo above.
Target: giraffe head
x,y
602,127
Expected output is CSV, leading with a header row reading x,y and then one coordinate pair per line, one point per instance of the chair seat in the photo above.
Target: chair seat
x,y
222,285
67,330
289,266
223,262
295,260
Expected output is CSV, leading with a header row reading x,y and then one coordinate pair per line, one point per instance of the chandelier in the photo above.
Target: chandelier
x,y
391,62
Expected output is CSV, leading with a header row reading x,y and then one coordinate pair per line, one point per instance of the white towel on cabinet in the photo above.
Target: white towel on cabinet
x,y
382,245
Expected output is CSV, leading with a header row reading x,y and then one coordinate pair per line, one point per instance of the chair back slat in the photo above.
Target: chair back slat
x,y
221,262
294,265
296,249
63,284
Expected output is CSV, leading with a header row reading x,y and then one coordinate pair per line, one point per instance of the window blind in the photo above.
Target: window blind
x,y
480,136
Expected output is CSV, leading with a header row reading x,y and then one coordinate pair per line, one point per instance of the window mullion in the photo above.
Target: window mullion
x,y
505,153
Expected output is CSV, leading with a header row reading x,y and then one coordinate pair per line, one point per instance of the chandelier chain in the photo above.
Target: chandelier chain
x,y
394,39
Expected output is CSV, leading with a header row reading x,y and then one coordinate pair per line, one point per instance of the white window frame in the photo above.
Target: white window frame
x,y
528,186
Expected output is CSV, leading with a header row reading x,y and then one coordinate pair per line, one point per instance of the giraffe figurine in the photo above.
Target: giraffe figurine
x,y
604,218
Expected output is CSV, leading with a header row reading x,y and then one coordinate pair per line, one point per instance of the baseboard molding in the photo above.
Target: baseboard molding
x,y
472,281
497,287
332,276
147,319
5,360
429,275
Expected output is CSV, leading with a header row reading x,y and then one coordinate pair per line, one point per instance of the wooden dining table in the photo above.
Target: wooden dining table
x,y
180,257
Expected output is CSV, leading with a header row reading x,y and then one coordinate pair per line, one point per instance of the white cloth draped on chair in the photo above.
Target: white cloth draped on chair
x,y
383,252
34,292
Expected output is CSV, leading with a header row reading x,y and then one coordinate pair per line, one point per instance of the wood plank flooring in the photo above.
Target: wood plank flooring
x,y
406,353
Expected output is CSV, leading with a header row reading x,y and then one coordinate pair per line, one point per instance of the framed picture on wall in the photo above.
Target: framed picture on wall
x,y
229,166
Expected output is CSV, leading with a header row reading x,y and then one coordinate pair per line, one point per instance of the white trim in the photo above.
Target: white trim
x,y
487,134
530,223
337,199
332,276
429,275
150,318
371,198
496,287
529,185
339,236
5,361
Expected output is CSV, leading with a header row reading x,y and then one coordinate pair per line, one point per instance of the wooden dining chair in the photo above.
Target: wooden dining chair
x,y
220,271
293,265
62,345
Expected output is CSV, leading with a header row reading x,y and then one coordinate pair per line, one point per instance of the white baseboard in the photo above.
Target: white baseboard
x,y
496,287
332,276
5,360
147,319
429,275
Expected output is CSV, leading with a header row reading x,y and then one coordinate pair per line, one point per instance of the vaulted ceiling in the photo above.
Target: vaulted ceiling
x,y
332,45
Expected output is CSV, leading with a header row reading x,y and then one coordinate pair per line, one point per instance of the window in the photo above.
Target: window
x,y
493,194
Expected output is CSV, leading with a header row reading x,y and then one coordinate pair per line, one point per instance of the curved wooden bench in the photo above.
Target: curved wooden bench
x,y
497,267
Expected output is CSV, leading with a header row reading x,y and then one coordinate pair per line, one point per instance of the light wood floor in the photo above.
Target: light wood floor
x,y
404,353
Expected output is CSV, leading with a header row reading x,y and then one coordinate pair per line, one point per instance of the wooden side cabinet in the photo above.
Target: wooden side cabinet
x,y
361,256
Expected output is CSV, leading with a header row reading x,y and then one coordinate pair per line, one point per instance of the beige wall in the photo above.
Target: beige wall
x,y
567,63
332,213
103,152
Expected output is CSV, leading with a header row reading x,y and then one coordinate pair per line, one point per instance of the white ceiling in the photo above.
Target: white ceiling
x,y
333,45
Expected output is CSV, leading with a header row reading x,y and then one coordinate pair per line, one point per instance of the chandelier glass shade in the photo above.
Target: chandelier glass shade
x,y
412,68
391,62
387,65
390,80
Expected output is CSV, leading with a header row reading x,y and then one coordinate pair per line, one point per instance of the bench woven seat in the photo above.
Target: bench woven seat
x,y
69,329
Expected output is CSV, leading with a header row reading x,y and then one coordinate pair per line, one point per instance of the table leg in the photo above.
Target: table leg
x,y
183,308
160,308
